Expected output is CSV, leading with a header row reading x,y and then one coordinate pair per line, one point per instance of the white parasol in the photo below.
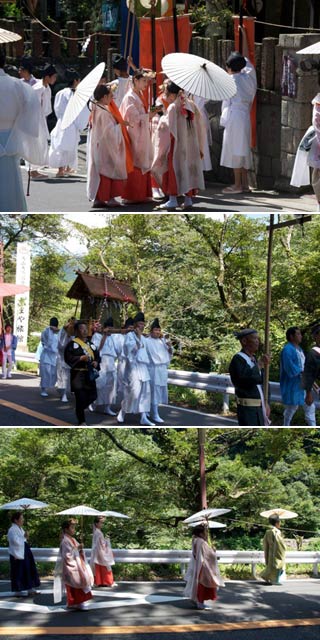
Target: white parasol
x,y
283,514
313,48
211,524
82,94
8,36
80,510
113,514
199,76
206,514
24,504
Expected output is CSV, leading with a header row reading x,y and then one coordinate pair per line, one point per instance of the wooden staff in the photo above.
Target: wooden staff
x,y
268,308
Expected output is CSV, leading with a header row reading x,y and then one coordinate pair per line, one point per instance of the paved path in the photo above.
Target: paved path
x,y
245,610
69,194
22,406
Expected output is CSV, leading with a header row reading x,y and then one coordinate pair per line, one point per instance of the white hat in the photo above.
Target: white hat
x,y
316,99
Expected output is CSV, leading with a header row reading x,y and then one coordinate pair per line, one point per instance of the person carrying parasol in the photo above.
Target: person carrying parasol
x,y
101,556
203,576
72,570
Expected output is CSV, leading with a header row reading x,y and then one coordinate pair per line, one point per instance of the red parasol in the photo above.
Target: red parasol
x,y
9,289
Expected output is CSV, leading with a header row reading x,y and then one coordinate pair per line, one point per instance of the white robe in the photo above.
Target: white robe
x,y
235,118
306,159
203,567
188,142
19,128
107,155
106,383
64,142
122,87
136,381
159,361
48,358
133,111
44,96
63,369
101,551
16,538
121,364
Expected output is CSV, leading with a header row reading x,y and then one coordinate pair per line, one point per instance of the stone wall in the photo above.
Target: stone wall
x,y
281,121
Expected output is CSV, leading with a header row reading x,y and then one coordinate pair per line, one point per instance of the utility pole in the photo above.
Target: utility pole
x,y
298,219
202,465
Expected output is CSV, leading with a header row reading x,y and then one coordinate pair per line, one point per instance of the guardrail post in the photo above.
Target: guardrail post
x,y
254,569
315,571
226,403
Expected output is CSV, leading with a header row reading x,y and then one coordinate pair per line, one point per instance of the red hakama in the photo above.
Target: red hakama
x,y
138,186
109,188
76,596
206,593
103,577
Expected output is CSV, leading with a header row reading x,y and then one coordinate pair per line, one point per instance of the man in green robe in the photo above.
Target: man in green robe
x,y
274,553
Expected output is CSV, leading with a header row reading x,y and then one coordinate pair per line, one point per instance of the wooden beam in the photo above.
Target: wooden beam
x,y
291,223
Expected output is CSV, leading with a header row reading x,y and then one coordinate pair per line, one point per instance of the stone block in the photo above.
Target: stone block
x,y
267,63
299,114
286,139
258,54
307,87
284,112
278,52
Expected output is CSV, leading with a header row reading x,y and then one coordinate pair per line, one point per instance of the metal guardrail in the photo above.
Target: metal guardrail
x,y
182,557
209,382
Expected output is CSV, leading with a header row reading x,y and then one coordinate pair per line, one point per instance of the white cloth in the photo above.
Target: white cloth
x,y
19,129
207,135
122,87
64,142
159,361
133,111
235,119
63,369
44,97
203,561
16,538
106,383
136,381
48,358
101,551
32,80
121,364
188,142
107,155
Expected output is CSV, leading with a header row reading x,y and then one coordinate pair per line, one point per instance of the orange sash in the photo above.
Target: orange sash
x,y
119,119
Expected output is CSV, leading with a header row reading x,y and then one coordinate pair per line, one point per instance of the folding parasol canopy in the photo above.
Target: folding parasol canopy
x,y
8,289
205,514
8,36
312,49
80,510
113,514
82,94
211,524
24,504
283,514
199,76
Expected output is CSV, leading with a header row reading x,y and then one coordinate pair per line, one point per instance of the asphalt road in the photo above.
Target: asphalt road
x,y
244,610
69,194
22,406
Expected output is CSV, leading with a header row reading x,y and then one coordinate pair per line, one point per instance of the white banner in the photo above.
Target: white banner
x,y
21,307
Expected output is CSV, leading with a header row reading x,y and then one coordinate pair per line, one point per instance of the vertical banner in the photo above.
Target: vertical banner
x,y
249,26
21,306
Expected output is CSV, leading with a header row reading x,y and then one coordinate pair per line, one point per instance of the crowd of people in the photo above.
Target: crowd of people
x,y
76,576
136,151
298,378
111,367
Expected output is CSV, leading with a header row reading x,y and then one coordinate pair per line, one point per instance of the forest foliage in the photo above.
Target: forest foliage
x,y
203,278
152,475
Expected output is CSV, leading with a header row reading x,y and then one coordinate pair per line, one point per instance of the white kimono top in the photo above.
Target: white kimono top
x,y
64,142
203,561
107,154
49,340
19,120
159,360
132,110
16,538
101,551
137,359
44,96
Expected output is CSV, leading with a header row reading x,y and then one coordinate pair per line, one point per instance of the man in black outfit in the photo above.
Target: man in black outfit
x,y
245,372
84,359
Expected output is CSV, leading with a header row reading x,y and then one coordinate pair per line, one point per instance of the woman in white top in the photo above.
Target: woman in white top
x,y
101,556
235,118
23,570
203,576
